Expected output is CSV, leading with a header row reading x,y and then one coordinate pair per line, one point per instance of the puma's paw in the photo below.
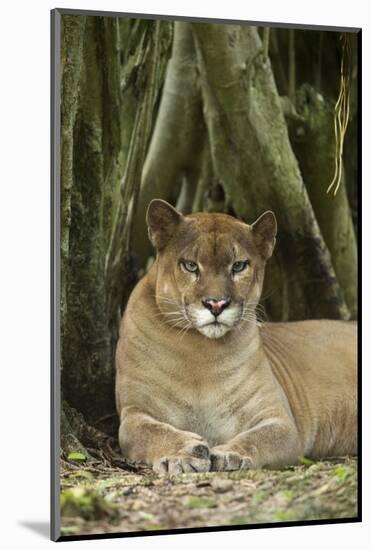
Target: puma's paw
x,y
223,459
194,458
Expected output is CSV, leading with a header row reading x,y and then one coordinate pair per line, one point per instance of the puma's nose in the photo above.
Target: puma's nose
x,y
216,306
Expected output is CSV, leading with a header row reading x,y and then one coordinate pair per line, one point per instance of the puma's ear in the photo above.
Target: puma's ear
x,y
162,219
265,231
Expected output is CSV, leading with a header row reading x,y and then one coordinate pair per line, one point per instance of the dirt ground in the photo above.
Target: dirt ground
x,y
101,498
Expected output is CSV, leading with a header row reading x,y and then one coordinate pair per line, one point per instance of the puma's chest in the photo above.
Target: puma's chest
x,y
207,412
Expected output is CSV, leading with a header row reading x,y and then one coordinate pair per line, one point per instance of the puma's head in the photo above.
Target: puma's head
x,y
209,267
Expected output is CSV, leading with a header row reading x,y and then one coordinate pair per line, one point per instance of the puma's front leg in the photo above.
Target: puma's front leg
x,y
165,448
272,443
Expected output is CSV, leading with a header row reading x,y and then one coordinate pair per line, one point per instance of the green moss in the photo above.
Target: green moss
x,y
342,472
284,515
239,520
70,530
87,504
80,474
77,456
306,461
201,502
260,496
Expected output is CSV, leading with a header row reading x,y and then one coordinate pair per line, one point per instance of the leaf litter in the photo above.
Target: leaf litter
x,y
114,495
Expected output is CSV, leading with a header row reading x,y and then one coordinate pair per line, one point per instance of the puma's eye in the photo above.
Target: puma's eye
x,y
192,267
237,267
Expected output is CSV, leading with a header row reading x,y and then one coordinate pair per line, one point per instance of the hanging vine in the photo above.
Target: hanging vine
x,y
341,113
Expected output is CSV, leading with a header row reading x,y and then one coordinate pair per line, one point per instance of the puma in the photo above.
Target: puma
x,y
200,385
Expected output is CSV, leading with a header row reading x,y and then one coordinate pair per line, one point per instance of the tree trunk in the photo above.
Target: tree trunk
x,y
71,62
313,140
88,374
104,81
120,275
177,136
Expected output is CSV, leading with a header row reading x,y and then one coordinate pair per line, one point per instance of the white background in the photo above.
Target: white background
x,y
24,249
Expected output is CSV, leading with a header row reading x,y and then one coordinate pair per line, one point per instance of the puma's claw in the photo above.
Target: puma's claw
x,y
222,460
181,464
193,458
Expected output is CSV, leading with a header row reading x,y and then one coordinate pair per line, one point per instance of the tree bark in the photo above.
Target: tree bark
x,y
88,373
99,113
177,137
120,274
73,29
313,140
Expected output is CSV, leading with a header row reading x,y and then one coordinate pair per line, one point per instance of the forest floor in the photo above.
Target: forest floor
x,y
101,498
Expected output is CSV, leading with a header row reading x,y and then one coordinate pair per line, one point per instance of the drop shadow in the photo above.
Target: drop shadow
x,y
42,528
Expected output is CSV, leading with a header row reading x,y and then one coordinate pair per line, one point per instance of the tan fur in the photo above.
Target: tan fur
x,y
256,396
